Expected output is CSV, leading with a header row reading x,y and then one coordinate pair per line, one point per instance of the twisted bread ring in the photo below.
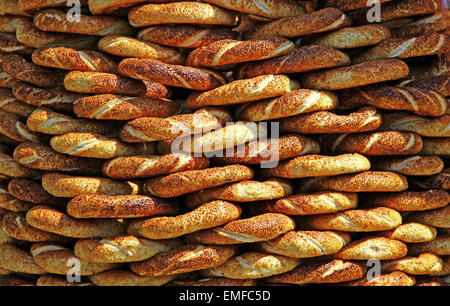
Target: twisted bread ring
x,y
438,84
318,165
12,126
434,127
6,80
130,47
437,22
185,35
9,104
128,278
10,203
436,146
437,217
244,191
144,166
420,101
56,21
15,259
414,165
97,146
183,259
227,52
292,103
439,246
380,248
10,44
173,75
411,200
176,184
122,249
353,37
426,263
56,98
54,221
42,157
258,228
411,233
363,120
28,6
395,278
120,206
253,265
54,258
180,12
4,237
355,220
323,272
273,9
113,107
240,91
154,129
108,83
323,20
305,244
11,168
439,66
302,59
445,268
440,181
259,152
208,215
349,5
15,225
46,121
101,7
309,204
425,45
18,67
356,75
71,59
8,23
31,191
214,281
62,185
374,143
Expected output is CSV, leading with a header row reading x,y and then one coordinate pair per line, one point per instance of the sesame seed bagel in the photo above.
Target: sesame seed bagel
x,y
380,248
411,232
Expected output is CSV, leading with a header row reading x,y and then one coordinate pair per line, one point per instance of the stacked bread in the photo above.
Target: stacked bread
x,y
138,149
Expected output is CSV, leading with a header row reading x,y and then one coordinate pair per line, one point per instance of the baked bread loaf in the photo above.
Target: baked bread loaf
x,y
187,258
380,248
67,186
320,21
438,66
436,83
127,278
303,59
411,200
185,35
411,165
253,265
31,191
436,146
10,44
258,228
322,272
97,146
240,91
420,101
176,184
10,7
120,249
9,104
437,217
99,7
428,24
126,46
411,232
15,259
366,181
108,83
438,181
173,75
205,216
8,81
292,103
349,5
143,166
48,280
227,52
308,204
12,126
29,6
119,206
43,157
12,169
180,12
426,263
395,278
355,75
434,127
9,203
305,244
153,129
439,246
54,221
56,21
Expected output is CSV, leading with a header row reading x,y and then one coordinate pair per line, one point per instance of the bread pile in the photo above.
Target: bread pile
x,y
94,177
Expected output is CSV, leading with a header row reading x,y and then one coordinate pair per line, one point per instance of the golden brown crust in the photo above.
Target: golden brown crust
x,y
437,22
436,146
54,221
99,7
119,206
180,12
15,259
411,165
395,278
411,200
440,181
356,75
193,180
10,104
58,281
10,203
173,75
125,46
258,228
412,232
28,6
425,263
437,217
439,246
302,59
12,126
128,278
6,80
10,7
380,248
349,5
186,258
10,44
436,83
11,168
31,191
